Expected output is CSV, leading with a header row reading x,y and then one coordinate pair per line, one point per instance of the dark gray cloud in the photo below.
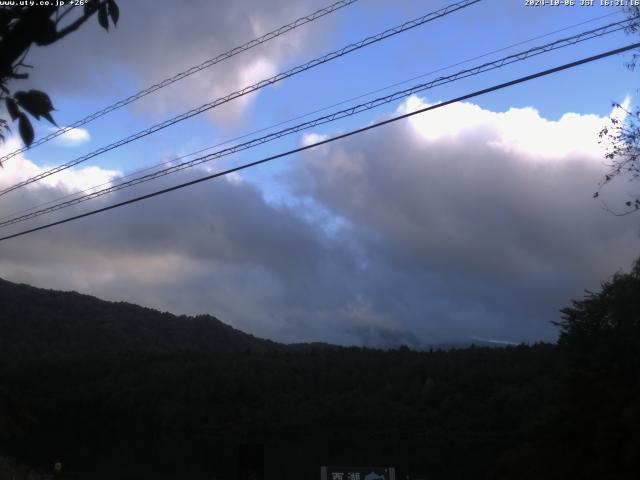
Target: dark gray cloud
x,y
482,223
217,248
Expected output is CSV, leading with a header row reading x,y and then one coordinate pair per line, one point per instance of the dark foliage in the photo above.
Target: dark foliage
x,y
527,412
600,336
37,324
456,413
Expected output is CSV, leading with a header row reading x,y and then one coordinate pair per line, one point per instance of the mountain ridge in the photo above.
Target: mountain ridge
x,y
38,323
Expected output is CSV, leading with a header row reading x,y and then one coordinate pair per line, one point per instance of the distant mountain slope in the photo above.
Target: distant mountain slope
x,y
37,323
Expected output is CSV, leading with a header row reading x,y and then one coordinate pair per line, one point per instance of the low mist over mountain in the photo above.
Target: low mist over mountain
x,y
36,324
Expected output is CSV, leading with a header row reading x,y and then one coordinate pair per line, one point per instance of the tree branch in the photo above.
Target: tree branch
x,y
72,27
64,14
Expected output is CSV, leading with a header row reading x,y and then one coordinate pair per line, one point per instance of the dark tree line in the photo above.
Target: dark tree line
x,y
570,410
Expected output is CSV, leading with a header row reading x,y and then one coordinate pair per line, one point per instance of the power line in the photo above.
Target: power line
x,y
252,88
270,127
190,71
331,139
561,43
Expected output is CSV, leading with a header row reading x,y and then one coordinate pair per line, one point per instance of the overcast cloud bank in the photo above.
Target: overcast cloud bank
x,y
460,223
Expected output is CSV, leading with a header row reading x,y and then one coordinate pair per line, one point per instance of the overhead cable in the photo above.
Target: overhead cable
x,y
299,117
252,88
362,107
184,74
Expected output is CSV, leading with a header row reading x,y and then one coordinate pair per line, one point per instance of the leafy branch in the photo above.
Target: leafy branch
x,y
20,28
622,139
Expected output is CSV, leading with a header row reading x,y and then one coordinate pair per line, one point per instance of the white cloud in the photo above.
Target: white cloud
x,y
521,131
249,73
74,137
19,168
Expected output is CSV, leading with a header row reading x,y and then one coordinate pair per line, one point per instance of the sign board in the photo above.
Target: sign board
x,y
357,473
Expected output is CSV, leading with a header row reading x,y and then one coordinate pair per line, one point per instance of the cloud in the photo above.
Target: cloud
x,y
19,168
220,245
155,39
478,223
461,223
74,137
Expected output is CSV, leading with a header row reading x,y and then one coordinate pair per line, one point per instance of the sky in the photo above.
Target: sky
x,y
471,222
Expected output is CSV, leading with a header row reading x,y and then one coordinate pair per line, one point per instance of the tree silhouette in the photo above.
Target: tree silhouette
x,y
600,337
607,319
622,136
21,27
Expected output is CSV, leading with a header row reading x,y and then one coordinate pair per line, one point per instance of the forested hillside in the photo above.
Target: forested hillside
x,y
448,413
38,324
166,410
